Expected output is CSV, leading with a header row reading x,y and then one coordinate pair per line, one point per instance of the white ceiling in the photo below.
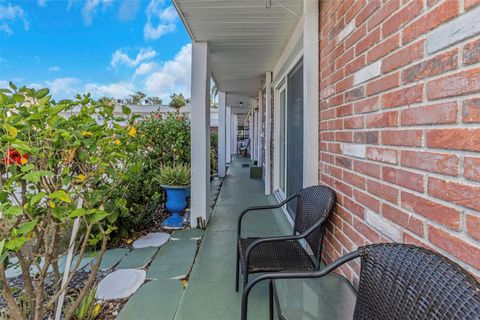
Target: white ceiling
x,y
245,38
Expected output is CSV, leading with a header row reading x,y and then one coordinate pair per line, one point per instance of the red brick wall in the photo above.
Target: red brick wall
x,y
400,126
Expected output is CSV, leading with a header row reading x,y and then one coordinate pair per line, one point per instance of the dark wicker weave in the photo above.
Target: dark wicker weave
x,y
400,282
278,254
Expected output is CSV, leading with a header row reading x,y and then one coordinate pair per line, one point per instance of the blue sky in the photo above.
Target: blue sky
x,y
106,47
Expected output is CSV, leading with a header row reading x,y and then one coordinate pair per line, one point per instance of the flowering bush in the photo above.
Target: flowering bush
x,y
51,158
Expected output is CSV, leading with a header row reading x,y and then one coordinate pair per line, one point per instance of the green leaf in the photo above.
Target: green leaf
x,y
12,131
126,110
41,93
20,98
14,211
78,213
36,198
3,255
98,216
14,87
60,195
16,243
27,227
36,175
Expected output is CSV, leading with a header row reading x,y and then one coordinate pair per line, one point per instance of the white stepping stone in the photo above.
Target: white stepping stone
x,y
156,239
120,284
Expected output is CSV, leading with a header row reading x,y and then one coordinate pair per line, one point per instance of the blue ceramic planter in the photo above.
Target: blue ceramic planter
x,y
176,204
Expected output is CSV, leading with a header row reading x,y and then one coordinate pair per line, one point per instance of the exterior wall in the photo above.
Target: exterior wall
x,y
272,144
264,125
400,125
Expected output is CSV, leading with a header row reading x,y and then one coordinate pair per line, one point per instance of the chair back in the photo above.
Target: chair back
x,y
313,204
404,282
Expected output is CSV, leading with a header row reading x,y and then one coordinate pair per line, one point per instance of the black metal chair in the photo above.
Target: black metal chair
x,y
286,253
399,282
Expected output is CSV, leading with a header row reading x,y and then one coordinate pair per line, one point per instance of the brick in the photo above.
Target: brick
x,y
382,120
471,168
354,8
403,178
353,235
433,162
383,226
384,12
366,231
456,139
402,17
354,179
367,137
439,64
473,226
344,58
403,57
347,30
440,113
354,207
471,52
367,200
367,12
383,84
465,82
431,210
455,192
403,219
383,191
344,84
344,188
471,3
382,155
367,105
354,150
355,65
354,122
444,12
408,239
344,136
402,97
471,111
455,246
355,36
369,169
354,94
461,28
343,162
367,73
407,138
366,43
383,48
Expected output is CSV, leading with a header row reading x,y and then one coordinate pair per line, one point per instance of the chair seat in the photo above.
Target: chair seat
x,y
331,297
275,256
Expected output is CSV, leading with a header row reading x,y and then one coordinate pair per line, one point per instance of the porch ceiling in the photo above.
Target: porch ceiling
x,y
245,38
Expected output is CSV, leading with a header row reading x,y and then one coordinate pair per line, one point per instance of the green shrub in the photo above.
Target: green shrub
x,y
178,175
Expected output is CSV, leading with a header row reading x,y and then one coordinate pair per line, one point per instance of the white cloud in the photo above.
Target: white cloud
x,y
173,76
64,88
160,21
115,90
41,3
145,68
8,15
54,69
128,10
121,57
90,9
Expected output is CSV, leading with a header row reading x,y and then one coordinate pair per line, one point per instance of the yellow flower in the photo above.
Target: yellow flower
x,y
81,177
52,204
117,142
129,241
87,134
96,310
23,160
132,132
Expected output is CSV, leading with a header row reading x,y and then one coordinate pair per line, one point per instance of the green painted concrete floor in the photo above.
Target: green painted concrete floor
x,y
210,293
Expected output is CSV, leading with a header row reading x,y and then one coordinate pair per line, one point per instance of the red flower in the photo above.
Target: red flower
x,y
14,157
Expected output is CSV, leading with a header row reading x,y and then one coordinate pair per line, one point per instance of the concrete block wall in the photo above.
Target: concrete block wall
x,y
400,125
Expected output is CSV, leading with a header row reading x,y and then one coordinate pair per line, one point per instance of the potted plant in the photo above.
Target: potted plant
x,y
175,180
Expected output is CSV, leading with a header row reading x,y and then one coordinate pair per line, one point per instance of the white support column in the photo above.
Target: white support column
x,y
268,129
250,133
259,129
221,134
234,133
200,134
310,93
254,130
228,134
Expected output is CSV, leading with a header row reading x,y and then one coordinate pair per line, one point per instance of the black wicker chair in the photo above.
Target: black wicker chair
x,y
286,253
399,282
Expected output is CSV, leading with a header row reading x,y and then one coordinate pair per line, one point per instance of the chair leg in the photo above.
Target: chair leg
x,y
270,299
245,277
237,275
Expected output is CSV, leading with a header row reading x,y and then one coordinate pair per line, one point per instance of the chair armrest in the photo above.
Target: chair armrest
x,y
294,275
256,208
